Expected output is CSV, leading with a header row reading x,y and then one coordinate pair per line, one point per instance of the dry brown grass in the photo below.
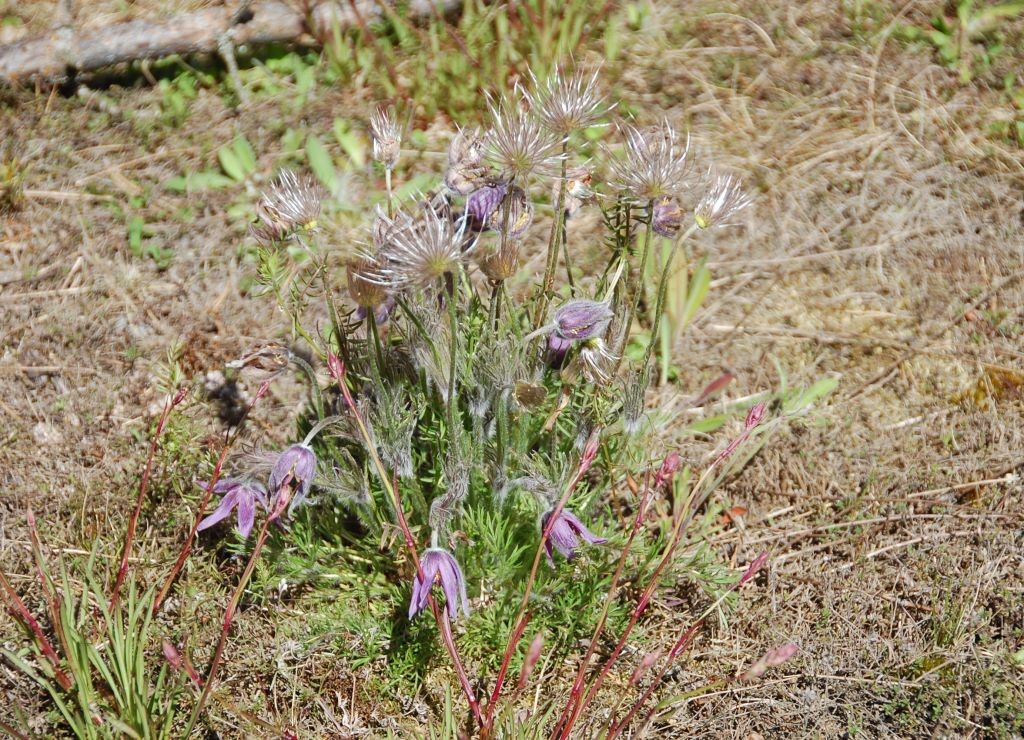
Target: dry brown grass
x,y
886,246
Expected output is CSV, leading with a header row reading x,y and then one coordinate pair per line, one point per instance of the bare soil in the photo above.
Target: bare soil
x,y
885,247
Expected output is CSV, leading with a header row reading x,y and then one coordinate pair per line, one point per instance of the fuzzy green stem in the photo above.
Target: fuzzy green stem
x,y
229,616
553,237
377,355
391,488
659,307
453,396
387,184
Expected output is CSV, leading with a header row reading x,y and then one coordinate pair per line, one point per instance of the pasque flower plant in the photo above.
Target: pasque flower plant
x,y
485,424
477,394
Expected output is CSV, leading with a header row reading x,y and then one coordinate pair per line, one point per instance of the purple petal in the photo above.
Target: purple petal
x,y
581,529
221,512
246,514
414,606
547,552
563,537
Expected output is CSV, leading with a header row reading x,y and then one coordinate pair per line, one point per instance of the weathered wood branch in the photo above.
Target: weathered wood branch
x,y
66,51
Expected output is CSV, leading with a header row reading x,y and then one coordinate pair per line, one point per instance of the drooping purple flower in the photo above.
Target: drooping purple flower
x,y
581,320
482,203
439,565
557,350
238,494
294,471
565,535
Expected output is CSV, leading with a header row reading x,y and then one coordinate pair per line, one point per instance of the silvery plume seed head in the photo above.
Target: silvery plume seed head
x,y
421,250
667,216
387,137
238,494
594,361
565,535
567,104
466,168
582,319
439,566
577,190
292,476
289,204
653,163
519,144
722,200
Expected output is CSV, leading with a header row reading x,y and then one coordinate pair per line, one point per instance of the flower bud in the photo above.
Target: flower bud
x,y
667,216
581,320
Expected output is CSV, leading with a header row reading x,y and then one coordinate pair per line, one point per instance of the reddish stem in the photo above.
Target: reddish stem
x,y
680,645
186,547
19,608
337,370
122,571
229,615
570,712
492,704
589,452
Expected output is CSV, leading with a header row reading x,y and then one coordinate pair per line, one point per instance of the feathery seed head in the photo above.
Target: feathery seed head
x,y
419,250
519,144
289,204
652,164
722,200
387,137
567,104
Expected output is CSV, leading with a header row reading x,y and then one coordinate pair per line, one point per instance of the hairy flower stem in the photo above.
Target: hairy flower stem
x,y
553,238
585,461
453,396
499,682
572,708
494,307
377,355
122,571
229,615
186,547
638,284
693,502
659,307
18,607
565,255
419,327
390,486
387,184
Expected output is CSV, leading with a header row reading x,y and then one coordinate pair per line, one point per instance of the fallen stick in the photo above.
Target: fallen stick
x,y
65,51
